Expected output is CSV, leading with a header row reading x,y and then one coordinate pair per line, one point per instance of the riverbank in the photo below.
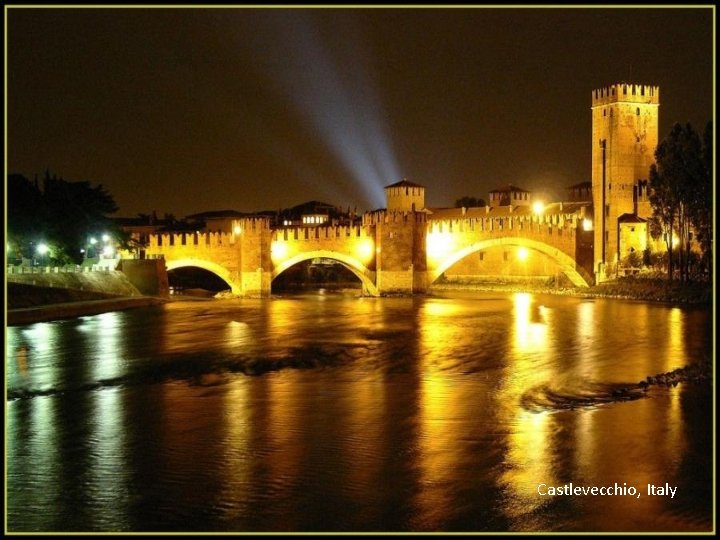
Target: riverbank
x,y
627,288
68,310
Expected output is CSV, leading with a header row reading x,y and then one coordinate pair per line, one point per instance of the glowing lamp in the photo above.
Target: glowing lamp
x,y
587,224
538,207
365,250
278,251
523,254
42,249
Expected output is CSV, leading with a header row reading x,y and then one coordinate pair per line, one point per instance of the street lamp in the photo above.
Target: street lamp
x,y
88,254
42,249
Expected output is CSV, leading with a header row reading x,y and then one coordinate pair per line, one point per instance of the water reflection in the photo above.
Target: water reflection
x,y
439,408
104,335
530,456
424,424
237,445
530,327
108,490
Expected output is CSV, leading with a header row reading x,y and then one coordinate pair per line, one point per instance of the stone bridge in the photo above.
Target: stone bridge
x,y
390,251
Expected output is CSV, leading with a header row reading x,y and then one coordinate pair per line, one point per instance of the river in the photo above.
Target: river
x,y
331,412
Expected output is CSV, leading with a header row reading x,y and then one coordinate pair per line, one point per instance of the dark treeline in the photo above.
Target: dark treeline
x,y
681,197
59,213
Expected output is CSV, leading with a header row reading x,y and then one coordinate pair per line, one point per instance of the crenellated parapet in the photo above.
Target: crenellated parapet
x,y
190,239
327,232
626,92
394,216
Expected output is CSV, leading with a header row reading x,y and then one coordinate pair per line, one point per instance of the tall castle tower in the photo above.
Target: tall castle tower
x,y
624,138
405,196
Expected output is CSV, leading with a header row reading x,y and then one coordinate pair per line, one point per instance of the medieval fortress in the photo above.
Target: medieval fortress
x,y
406,247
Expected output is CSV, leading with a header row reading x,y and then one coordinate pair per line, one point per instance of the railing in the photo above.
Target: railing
x,y
70,269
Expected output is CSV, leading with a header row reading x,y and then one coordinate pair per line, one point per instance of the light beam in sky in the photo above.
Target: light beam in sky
x,y
339,103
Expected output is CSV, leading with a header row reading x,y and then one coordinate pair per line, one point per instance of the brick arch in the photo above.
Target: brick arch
x,y
220,271
567,264
367,278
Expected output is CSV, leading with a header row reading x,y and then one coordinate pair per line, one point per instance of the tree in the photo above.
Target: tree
x,y
63,214
700,203
469,202
23,210
674,177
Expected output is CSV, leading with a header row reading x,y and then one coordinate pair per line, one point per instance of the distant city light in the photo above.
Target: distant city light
x,y
105,237
93,241
42,249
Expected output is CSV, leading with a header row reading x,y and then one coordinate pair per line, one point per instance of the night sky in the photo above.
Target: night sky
x,y
192,110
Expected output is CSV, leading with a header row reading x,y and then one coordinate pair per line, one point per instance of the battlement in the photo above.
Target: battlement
x,y
253,223
393,216
322,233
491,222
626,93
191,239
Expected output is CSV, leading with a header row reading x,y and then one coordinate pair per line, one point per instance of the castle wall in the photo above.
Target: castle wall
x,y
633,238
401,263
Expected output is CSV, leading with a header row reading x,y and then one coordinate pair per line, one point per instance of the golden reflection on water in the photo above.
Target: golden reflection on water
x,y
586,336
283,313
283,429
530,328
443,403
364,401
237,440
238,337
675,345
531,364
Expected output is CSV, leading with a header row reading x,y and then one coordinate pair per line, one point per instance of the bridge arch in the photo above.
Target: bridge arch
x,y
219,270
367,278
567,264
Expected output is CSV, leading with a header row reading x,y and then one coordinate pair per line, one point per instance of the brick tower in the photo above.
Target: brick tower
x,y
624,138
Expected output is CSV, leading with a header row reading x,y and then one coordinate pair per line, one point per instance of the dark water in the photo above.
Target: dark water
x,y
337,413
